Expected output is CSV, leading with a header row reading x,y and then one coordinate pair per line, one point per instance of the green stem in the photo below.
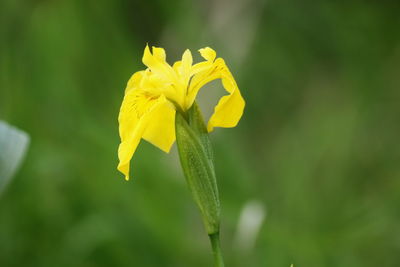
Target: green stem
x,y
216,247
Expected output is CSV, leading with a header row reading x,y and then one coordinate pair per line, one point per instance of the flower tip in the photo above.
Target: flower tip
x,y
127,178
146,48
208,53
147,55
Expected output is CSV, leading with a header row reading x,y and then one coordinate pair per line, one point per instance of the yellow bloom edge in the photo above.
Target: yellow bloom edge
x,y
153,95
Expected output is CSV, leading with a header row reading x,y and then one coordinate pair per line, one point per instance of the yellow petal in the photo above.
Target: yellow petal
x,y
157,64
208,53
177,66
134,81
200,67
210,71
187,61
184,70
161,131
137,111
230,108
159,53
152,83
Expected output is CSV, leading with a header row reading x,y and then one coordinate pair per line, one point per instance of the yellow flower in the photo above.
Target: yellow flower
x,y
152,97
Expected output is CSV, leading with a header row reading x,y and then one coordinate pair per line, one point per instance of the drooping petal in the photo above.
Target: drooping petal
x,y
136,114
230,108
161,131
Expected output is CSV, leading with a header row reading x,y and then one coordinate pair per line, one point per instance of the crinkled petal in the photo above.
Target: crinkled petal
x,y
136,114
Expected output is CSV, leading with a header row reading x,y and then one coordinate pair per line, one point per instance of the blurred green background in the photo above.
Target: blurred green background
x,y
317,150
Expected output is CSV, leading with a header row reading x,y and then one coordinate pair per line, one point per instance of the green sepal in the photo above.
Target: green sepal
x,y
196,122
195,153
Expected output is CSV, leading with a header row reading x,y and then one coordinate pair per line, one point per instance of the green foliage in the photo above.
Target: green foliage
x,y
318,143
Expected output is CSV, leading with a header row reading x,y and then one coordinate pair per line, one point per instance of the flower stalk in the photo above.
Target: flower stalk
x,y
216,247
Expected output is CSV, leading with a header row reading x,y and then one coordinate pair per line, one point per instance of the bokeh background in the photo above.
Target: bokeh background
x,y
310,176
